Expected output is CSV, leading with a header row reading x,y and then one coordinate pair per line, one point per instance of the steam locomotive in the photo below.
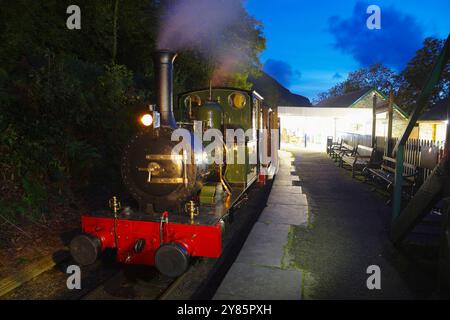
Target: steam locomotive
x,y
183,202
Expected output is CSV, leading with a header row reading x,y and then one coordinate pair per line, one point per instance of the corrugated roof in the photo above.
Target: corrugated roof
x,y
344,100
437,112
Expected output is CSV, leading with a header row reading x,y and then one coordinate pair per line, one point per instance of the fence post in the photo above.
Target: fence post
x,y
397,203
374,120
390,123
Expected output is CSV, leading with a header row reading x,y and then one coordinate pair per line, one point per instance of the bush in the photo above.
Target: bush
x,y
67,124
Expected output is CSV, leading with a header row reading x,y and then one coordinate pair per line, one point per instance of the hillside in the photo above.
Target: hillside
x,y
275,94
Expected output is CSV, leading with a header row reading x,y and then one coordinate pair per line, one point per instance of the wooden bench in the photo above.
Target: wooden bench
x,y
340,149
360,158
331,145
386,175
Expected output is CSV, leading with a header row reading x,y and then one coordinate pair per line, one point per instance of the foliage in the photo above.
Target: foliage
x,y
413,78
375,76
67,107
246,38
407,84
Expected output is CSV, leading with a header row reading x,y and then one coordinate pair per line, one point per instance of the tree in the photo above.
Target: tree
x,y
227,39
116,14
407,85
247,42
69,99
412,79
375,76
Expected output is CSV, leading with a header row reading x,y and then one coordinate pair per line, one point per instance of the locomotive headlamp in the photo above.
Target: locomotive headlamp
x,y
147,120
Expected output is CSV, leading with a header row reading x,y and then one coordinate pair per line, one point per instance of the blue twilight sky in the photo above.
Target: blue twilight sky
x,y
312,45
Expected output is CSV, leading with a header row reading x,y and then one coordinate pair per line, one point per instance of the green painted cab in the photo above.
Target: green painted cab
x,y
226,108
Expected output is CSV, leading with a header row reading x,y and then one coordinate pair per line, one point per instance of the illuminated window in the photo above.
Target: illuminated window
x,y
237,100
192,101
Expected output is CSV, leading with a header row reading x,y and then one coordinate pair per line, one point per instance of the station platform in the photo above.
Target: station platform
x,y
262,270
319,233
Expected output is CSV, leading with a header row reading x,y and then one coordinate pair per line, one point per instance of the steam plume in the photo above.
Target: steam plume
x,y
201,25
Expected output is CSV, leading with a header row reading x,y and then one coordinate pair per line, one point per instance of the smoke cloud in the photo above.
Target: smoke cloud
x,y
201,25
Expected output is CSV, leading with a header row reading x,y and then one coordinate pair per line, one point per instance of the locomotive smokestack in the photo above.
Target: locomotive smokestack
x,y
163,65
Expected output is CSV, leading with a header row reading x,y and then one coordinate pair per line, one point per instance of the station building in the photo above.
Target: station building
x,y
351,115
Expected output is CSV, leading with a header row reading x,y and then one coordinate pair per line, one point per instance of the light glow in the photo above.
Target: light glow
x,y
147,120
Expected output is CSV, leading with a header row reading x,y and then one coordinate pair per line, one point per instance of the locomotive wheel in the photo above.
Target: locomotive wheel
x,y
85,249
172,259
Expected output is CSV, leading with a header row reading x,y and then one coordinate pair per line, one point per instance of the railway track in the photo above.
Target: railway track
x,y
108,280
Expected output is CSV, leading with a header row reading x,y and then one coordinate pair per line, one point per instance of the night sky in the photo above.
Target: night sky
x,y
312,45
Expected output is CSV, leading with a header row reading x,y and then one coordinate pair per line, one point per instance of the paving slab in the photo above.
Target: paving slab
x,y
287,189
265,245
285,183
284,172
287,167
285,180
248,282
285,214
257,273
286,176
287,198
